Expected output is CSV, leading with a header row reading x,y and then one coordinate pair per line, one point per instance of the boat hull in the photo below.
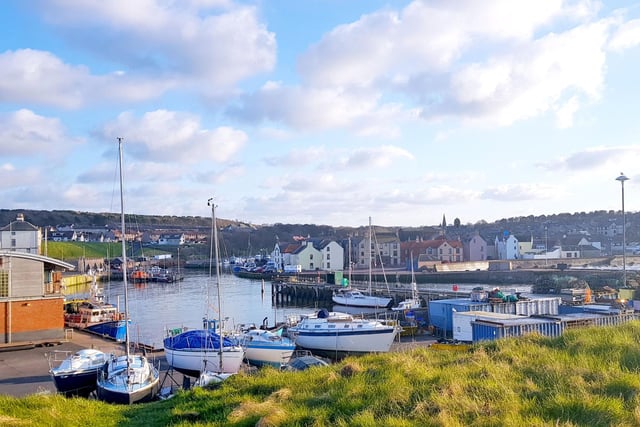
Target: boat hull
x,y
124,383
260,354
115,330
335,333
192,362
81,383
77,373
357,299
374,341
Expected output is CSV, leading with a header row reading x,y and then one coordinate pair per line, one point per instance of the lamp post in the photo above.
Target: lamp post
x,y
546,245
622,178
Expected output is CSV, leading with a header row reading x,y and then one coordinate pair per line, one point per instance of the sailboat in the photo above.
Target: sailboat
x,y
357,298
205,353
414,301
129,378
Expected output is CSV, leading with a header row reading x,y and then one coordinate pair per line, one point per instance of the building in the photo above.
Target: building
x,y
475,248
174,239
507,247
21,236
31,298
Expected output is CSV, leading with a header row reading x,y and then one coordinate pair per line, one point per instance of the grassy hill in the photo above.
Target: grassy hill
x,y
587,377
75,250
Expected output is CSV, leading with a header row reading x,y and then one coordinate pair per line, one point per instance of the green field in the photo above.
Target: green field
x,y
587,377
75,250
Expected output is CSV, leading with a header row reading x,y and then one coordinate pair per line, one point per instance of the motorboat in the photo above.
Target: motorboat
x,y
96,316
77,372
336,333
129,378
265,347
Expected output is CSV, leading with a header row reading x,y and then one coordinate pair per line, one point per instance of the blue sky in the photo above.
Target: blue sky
x,y
324,112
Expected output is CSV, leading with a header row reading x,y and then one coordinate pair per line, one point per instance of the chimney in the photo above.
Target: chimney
x,y
20,217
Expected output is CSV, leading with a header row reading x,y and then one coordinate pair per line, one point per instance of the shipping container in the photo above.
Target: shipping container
x,y
440,313
487,331
462,330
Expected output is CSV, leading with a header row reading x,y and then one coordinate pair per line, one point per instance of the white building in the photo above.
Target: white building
x,y
21,236
507,247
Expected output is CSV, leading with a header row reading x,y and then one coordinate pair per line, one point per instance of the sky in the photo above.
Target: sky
x,y
321,111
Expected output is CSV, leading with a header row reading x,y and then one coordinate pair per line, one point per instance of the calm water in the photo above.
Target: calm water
x,y
156,307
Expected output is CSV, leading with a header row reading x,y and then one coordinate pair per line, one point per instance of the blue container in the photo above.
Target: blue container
x,y
488,331
441,313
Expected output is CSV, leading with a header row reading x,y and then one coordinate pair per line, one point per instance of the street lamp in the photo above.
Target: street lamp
x,y
622,179
546,245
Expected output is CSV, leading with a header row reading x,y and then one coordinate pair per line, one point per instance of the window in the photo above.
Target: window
x,y
310,256
328,265
328,257
328,248
4,284
13,243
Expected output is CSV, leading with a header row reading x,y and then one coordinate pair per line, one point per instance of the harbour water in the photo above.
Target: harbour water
x,y
156,307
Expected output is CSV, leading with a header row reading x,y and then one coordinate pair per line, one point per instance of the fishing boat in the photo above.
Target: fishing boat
x,y
77,373
264,347
129,378
95,315
356,298
205,353
414,301
336,334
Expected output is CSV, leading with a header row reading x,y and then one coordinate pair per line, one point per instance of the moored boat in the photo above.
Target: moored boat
x,y
263,347
76,374
205,353
355,298
336,334
192,352
129,378
96,316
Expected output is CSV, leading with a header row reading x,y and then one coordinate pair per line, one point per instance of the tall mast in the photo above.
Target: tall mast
x,y
217,253
124,252
370,255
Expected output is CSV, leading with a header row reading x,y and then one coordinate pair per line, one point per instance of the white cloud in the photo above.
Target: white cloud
x,y
521,192
35,77
215,43
25,133
170,136
627,36
597,158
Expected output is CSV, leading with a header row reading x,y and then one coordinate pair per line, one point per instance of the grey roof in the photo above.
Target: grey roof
x,y
41,258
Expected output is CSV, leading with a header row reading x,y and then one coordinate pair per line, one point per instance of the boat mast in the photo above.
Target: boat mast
x,y
370,255
217,253
124,253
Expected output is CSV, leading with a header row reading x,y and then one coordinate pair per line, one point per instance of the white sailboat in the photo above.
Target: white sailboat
x,y
336,333
414,301
130,378
205,353
356,298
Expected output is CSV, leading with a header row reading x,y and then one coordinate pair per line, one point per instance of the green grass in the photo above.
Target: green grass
x,y
588,377
75,250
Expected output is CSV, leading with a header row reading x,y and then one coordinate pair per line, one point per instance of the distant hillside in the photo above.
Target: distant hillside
x,y
244,239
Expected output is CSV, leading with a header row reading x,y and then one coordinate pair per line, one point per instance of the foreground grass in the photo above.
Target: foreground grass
x,y
588,377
